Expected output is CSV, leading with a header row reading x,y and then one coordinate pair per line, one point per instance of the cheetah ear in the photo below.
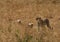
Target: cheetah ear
x,y
36,18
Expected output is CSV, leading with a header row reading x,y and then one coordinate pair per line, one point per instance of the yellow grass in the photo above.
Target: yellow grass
x,y
27,11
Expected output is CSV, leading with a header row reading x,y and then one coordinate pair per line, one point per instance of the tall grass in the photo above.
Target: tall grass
x,y
18,36
27,38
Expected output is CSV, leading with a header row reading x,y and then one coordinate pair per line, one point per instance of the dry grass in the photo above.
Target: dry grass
x,y
27,11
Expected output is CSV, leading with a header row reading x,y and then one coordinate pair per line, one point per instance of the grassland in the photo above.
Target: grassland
x,y
27,11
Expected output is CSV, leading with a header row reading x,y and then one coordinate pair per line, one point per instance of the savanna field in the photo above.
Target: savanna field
x,y
27,11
